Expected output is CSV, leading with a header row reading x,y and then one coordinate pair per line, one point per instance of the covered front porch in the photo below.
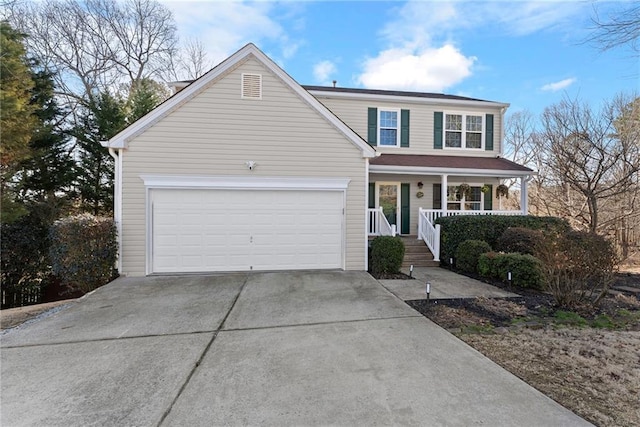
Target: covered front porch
x,y
407,193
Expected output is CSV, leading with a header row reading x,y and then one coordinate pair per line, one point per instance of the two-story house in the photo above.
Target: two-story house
x,y
245,169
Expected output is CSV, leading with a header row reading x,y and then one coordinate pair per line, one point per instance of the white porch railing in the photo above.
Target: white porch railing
x,y
433,214
430,233
378,225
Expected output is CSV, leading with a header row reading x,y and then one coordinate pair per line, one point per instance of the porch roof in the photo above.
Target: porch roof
x,y
452,165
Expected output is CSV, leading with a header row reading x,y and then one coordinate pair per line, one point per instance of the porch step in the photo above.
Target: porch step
x,y
416,253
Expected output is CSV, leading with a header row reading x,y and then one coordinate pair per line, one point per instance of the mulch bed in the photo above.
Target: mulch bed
x,y
532,308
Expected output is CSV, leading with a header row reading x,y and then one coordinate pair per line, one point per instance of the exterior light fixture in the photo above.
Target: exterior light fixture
x,y
251,164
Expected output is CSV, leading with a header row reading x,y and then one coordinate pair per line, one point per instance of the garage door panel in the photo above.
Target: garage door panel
x,y
239,230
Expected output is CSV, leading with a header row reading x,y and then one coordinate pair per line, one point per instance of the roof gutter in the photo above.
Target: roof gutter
x,y
418,170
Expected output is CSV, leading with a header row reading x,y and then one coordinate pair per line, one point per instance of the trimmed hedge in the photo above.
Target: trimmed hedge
x,y
458,228
387,254
83,251
468,253
526,270
24,264
519,240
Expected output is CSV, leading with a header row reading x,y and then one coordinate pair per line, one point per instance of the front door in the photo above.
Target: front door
x,y
388,197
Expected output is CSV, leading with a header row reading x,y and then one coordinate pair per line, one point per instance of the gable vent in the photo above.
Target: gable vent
x,y
252,86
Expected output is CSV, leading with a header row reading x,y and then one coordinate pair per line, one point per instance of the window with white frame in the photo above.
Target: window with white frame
x,y
463,131
388,132
457,201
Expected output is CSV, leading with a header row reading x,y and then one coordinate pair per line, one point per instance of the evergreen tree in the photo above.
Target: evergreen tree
x,y
16,115
144,96
46,178
104,117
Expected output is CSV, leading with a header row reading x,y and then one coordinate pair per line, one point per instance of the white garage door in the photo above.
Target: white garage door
x,y
239,230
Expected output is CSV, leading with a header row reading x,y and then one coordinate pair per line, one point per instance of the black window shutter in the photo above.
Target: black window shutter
x,y
488,136
372,127
404,208
404,128
437,196
488,198
437,130
372,195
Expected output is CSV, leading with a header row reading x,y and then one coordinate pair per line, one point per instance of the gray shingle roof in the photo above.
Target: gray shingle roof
x,y
391,93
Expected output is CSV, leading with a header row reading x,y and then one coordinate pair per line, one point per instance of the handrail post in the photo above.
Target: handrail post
x,y
436,244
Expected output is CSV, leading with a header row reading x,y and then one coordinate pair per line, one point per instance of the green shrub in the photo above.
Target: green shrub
x,y
468,253
24,266
526,270
83,251
458,228
579,266
519,240
387,254
487,264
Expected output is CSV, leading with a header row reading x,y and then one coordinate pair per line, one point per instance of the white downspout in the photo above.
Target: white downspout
x,y
117,200
366,210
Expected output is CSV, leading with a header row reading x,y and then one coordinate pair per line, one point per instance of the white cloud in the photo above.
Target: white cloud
x,y
323,70
427,69
421,53
226,26
562,84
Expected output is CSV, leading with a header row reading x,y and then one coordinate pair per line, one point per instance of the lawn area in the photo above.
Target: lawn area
x,y
587,360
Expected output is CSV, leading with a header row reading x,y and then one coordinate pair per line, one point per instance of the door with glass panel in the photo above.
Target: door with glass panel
x,y
388,198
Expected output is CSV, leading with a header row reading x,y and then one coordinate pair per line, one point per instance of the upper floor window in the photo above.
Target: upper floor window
x,y
388,128
463,131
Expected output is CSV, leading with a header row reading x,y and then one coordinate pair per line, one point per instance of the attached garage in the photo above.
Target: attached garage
x,y
242,170
285,225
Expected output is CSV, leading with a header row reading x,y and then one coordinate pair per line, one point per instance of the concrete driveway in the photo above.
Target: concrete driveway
x,y
303,348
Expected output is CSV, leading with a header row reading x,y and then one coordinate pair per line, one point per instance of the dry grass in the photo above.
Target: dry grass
x,y
593,372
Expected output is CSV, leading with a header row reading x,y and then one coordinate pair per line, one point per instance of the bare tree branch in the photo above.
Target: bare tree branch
x,y
620,28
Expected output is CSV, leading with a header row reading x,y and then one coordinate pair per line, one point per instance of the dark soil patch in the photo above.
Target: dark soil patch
x,y
631,280
532,309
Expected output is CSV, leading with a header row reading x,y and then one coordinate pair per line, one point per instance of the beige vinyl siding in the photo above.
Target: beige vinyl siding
x,y
217,131
426,202
354,113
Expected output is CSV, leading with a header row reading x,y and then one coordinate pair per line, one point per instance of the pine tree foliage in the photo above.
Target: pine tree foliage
x,y
16,114
104,118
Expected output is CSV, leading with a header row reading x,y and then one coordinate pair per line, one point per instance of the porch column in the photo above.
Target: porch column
x,y
443,194
524,195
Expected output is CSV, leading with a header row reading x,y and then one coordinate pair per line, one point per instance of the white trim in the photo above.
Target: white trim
x,y
398,126
418,170
408,99
244,182
463,131
122,139
117,201
366,216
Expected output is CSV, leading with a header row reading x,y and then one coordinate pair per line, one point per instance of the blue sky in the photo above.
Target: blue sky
x,y
529,54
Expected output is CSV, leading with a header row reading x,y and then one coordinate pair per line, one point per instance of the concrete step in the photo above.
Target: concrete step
x,y
418,257
421,263
416,253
